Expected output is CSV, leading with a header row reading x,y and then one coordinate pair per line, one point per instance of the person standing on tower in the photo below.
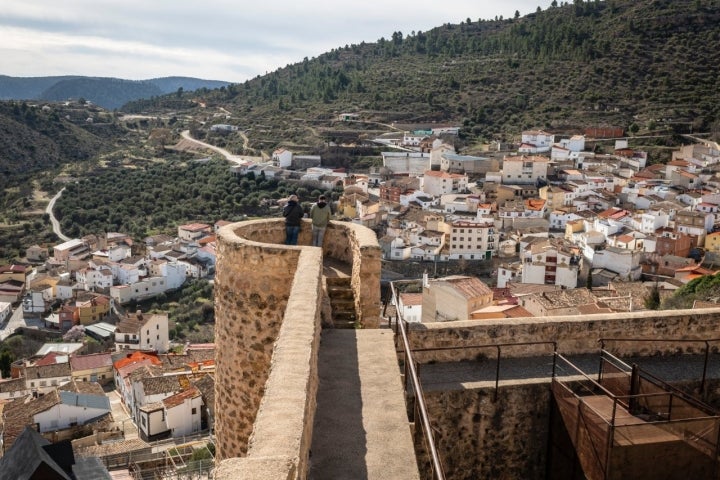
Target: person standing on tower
x,y
320,215
293,213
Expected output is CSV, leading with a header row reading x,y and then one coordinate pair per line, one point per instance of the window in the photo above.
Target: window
x,y
194,411
158,337
142,419
157,327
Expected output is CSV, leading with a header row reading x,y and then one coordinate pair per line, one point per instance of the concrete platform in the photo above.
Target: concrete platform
x,y
360,429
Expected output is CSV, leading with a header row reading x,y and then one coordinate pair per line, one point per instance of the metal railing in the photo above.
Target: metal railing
x,y
411,373
498,347
706,342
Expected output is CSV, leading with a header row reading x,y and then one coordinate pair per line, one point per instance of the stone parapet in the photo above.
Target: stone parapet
x,y
573,334
267,310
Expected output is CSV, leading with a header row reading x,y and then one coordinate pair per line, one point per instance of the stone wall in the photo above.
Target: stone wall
x,y
357,246
268,311
478,437
252,286
573,334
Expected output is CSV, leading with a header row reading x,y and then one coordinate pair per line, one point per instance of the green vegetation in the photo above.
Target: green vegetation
x,y
583,64
577,65
706,288
156,197
190,310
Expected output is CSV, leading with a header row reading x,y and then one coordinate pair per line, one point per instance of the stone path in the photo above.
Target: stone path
x,y
360,430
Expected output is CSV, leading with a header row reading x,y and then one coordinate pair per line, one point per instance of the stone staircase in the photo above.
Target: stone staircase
x,y
336,276
342,302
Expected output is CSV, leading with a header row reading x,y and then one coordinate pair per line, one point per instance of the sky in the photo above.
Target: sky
x,y
226,40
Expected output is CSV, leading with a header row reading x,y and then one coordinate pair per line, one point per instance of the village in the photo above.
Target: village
x,y
563,231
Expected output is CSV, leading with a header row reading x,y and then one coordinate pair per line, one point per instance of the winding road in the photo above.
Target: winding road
x,y
238,159
54,221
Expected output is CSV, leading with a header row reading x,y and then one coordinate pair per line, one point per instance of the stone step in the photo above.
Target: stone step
x,y
343,294
343,303
337,281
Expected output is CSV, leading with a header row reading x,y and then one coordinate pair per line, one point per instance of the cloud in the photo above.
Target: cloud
x,y
217,39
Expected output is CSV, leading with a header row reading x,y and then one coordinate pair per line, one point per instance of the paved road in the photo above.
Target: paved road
x,y
121,416
53,220
16,321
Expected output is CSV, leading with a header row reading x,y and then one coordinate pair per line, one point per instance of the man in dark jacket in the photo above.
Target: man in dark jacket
x,y
293,213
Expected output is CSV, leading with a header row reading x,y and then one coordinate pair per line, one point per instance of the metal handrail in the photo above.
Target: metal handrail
x,y
419,396
706,342
498,347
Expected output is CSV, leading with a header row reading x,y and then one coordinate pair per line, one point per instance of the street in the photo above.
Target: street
x,y
16,321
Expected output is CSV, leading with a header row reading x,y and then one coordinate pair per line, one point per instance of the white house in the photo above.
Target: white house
x,y
173,272
70,408
46,378
547,264
507,273
6,310
399,250
472,240
520,170
536,141
282,158
33,303
406,163
147,390
140,331
146,288
183,412
90,279
626,263
410,306
151,421
440,183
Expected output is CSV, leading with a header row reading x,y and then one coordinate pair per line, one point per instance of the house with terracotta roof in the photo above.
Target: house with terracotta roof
x,y
410,306
453,298
282,158
550,261
124,367
96,367
13,388
500,311
183,412
193,231
692,272
437,183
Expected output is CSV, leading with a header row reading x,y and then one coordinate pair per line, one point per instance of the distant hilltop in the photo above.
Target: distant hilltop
x,y
109,93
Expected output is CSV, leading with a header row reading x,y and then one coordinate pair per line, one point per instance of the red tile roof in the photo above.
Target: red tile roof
x,y
89,362
179,399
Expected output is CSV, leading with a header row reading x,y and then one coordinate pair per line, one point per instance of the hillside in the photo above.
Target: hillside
x,y
109,93
589,63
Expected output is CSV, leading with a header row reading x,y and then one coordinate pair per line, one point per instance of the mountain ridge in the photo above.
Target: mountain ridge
x,y
108,92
